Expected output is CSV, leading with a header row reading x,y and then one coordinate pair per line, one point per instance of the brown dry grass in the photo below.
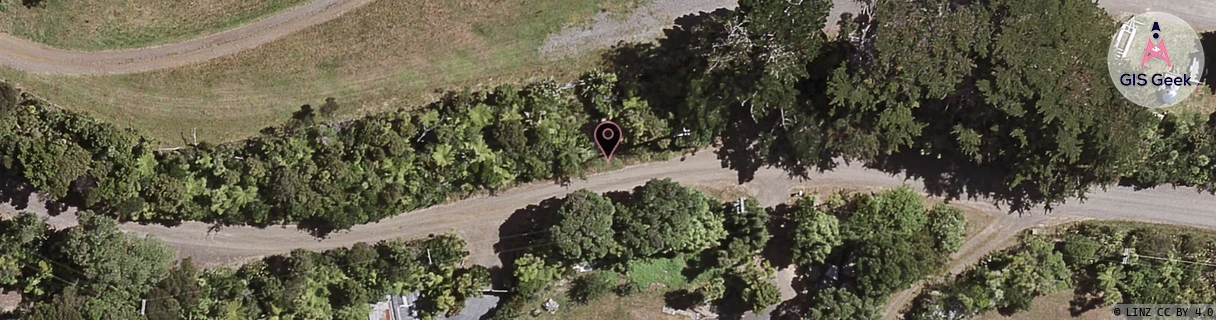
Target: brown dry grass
x,y
385,55
1052,306
824,190
117,24
647,305
1201,101
724,192
977,220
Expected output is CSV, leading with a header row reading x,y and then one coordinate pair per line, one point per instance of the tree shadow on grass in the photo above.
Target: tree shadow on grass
x,y
1208,41
1082,303
682,299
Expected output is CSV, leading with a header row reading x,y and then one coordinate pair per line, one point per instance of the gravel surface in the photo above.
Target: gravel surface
x,y
1201,14
645,23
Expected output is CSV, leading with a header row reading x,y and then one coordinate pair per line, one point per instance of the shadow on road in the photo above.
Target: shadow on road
x,y
777,250
15,192
527,230
958,180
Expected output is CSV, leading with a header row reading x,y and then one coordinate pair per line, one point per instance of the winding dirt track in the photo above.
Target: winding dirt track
x,y
29,56
34,57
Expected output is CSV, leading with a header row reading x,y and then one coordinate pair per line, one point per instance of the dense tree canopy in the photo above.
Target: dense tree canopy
x,y
888,238
816,233
95,271
532,273
747,229
664,233
762,82
976,94
948,225
1042,263
834,303
973,107
663,216
584,228
22,265
111,262
326,175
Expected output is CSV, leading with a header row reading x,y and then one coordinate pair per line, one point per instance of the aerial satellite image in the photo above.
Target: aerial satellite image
x,y
607,159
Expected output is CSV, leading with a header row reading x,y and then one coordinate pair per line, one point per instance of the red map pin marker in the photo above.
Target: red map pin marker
x,y
607,136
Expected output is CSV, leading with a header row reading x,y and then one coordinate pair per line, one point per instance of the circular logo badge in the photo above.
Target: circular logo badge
x,y
1155,59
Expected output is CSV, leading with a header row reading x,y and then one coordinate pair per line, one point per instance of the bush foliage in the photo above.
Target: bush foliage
x,y
95,271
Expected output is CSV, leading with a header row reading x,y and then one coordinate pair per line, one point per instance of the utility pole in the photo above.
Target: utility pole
x,y
194,134
1202,263
428,257
143,307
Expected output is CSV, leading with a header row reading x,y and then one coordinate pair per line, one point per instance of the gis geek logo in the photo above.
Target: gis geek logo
x,y
1169,68
1156,51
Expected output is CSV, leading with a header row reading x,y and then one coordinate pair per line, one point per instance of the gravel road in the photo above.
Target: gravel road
x,y
478,219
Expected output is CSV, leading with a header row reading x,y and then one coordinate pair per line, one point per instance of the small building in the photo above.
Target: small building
x,y
395,307
380,311
404,307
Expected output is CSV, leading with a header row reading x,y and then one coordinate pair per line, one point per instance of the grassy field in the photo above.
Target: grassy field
x,y
385,55
120,24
